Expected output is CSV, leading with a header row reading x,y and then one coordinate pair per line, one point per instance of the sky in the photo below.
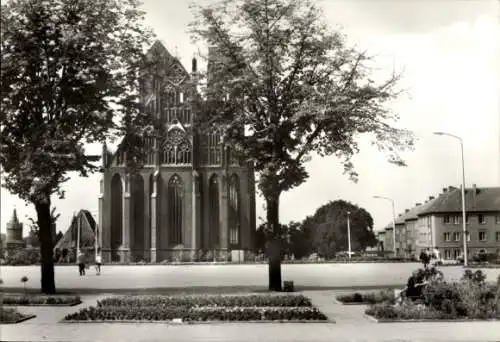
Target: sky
x,y
450,53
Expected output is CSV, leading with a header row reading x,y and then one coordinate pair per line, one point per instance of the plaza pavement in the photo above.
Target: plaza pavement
x,y
305,276
351,325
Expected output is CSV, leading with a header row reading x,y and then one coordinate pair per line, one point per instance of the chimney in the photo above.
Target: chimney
x,y
407,210
474,194
445,190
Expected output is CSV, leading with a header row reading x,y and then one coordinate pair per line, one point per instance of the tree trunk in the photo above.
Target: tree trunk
x,y
274,244
46,247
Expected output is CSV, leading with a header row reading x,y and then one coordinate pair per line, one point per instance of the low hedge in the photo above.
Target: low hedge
x,y
10,315
16,299
209,300
161,313
368,298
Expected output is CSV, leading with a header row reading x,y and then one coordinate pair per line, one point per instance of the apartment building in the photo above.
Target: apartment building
x,y
437,224
443,221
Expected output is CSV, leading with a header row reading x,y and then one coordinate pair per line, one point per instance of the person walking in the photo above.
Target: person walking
x,y
98,261
81,263
425,258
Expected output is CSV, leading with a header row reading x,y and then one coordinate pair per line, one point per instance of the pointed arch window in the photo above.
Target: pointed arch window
x,y
213,194
175,208
177,149
211,149
234,210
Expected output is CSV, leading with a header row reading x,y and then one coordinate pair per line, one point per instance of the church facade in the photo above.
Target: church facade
x,y
191,197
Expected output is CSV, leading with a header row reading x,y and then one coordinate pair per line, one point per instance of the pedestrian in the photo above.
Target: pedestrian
x,y
81,263
425,258
98,261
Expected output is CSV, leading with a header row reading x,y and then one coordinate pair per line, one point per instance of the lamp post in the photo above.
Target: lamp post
x,y
393,221
464,220
349,234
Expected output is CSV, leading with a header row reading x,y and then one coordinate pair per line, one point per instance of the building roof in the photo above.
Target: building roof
x,y
87,232
476,200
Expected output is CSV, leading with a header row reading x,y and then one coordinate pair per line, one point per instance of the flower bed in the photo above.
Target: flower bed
x,y
201,308
368,298
9,315
211,300
469,299
39,300
187,314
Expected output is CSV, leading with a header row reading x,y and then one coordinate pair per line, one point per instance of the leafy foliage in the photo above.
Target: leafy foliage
x,y
70,75
284,86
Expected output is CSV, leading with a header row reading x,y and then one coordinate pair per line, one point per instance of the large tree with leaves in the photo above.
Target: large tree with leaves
x,y
329,228
297,88
69,72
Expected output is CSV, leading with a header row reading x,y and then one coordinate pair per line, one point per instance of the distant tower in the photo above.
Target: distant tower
x,y
14,238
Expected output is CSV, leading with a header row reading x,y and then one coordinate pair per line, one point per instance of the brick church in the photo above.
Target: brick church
x,y
192,196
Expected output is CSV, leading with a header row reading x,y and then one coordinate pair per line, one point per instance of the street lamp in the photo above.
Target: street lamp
x,y
464,223
349,234
393,221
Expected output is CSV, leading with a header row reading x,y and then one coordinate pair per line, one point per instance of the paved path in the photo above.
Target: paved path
x,y
168,276
350,325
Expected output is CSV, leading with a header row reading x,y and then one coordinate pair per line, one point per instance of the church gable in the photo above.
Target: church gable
x,y
165,88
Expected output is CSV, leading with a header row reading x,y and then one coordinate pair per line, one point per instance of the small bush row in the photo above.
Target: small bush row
x,y
151,313
211,300
368,298
10,315
11,299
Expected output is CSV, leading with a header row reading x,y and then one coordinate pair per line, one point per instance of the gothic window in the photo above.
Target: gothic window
x,y
234,210
150,151
175,189
213,194
177,149
211,149
233,158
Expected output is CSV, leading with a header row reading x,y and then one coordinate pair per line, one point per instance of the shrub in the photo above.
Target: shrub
x,y
27,256
10,315
406,311
477,277
12,299
385,296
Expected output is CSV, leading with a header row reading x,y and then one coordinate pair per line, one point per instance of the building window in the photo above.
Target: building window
x,y
447,237
468,236
234,210
447,219
175,190
456,253
497,236
482,236
456,236
213,194
497,219
481,218
456,219
211,149
176,148
447,254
